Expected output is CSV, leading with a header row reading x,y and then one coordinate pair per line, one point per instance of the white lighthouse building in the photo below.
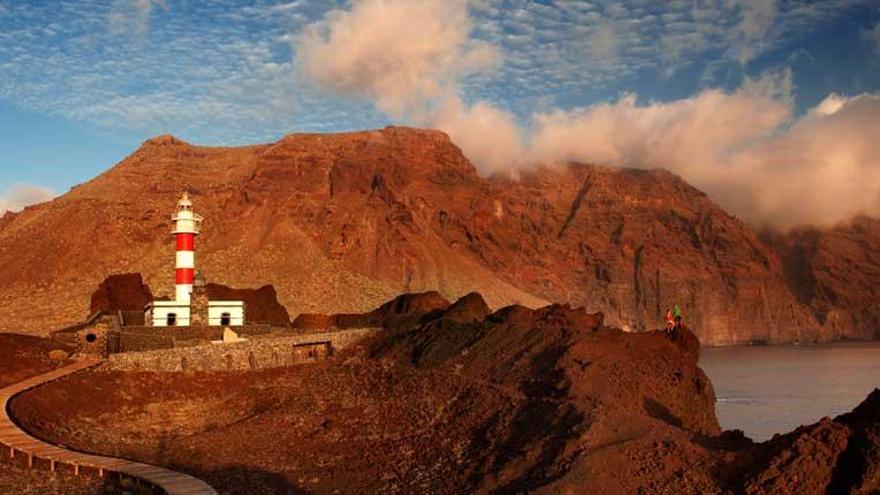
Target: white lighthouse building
x,y
190,305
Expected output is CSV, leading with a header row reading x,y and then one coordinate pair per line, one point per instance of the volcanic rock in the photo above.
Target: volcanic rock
x,y
409,304
261,305
546,400
455,403
470,308
402,311
831,456
123,292
24,356
338,223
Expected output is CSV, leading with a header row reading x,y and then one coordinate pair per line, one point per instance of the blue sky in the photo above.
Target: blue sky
x,y
82,83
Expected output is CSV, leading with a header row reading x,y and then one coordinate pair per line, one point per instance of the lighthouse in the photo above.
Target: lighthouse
x,y
186,225
191,305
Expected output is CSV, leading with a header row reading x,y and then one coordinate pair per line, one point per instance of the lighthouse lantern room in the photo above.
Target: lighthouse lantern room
x,y
190,305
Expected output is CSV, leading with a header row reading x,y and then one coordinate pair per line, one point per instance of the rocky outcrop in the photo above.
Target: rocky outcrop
x,y
546,353
339,223
261,305
520,400
622,412
832,456
402,311
122,292
460,401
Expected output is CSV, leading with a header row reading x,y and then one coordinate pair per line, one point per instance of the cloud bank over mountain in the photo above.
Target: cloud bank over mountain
x,y
745,147
17,196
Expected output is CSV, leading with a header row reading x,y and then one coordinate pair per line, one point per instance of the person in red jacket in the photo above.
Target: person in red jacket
x,y
670,321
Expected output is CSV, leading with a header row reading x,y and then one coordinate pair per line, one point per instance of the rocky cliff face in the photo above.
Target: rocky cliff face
x,y
836,273
339,223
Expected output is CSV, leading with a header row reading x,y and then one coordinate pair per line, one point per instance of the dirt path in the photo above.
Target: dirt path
x,y
18,442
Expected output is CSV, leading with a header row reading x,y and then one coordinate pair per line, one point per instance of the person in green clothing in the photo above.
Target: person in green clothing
x,y
676,313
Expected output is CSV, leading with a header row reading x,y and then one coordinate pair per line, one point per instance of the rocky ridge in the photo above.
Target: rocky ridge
x,y
453,398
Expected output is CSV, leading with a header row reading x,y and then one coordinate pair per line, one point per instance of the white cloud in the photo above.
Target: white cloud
x,y
401,53
822,170
604,44
488,136
132,16
756,18
744,148
17,196
830,105
685,136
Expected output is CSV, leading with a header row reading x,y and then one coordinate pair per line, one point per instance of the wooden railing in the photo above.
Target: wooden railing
x,y
17,442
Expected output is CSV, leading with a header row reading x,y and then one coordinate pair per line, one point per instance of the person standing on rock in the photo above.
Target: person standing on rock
x,y
677,315
670,321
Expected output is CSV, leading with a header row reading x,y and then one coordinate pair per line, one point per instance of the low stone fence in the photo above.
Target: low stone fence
x,y
201,332
140,339
260,352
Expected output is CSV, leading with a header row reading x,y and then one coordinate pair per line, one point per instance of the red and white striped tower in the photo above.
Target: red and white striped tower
x,y
186,228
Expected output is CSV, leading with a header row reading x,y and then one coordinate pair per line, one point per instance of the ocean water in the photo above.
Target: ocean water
x,y
774,389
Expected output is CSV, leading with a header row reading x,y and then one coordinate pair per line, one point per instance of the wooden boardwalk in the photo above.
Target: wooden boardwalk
x,y
18,442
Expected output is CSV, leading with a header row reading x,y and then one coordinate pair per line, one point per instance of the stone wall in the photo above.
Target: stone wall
x,y
261,352
161,334
136,342
185,333
94,340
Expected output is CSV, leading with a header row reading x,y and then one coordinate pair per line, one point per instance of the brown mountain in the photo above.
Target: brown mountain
x,y
836,272
339,223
